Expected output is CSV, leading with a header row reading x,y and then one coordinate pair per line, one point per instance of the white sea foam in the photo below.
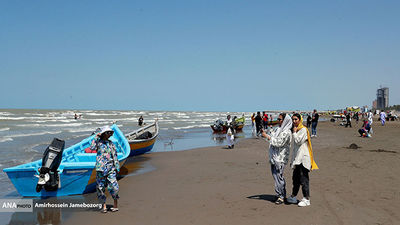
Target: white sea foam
x,y
32,134
12,118
100,114
80,130
6,114
193,126
5,139
66,125
4,128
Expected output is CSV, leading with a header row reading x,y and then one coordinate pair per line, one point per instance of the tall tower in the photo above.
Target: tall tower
x,y
382,98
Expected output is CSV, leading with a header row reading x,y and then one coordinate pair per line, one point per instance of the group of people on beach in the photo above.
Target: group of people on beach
x,y
290,129
259,121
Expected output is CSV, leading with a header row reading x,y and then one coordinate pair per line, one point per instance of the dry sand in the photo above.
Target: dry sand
x,y
215,185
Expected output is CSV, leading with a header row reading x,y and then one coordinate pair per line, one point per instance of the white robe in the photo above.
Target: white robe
x,y
230,138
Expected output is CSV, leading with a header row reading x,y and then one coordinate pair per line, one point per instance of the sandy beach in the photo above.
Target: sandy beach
x,y
215,185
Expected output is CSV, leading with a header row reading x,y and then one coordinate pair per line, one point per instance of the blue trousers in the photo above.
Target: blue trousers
x,y
314,128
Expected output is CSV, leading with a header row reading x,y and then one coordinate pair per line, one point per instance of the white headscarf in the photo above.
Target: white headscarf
x,y
286,125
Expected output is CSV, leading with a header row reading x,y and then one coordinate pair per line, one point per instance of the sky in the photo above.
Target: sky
x,y
198,55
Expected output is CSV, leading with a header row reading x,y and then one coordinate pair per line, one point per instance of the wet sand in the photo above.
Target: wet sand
x,y
215,185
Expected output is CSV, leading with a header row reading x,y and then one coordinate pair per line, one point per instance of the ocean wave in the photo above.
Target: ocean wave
x,y
66,124
129,113
4,128
53,125
5,139
32,134
6,113
12,118
99,114
80,130
192,126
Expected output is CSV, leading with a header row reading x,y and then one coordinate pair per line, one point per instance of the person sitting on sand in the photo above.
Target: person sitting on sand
x,y
230,138
365,129
279,148
107,167
302,161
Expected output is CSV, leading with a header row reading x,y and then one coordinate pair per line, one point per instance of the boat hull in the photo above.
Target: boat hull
x,y
141,146
77,169
224,129
138,148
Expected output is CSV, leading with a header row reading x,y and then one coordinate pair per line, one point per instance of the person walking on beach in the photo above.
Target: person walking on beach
x,y
279,147
107,167
356,117
230,138
302,161
370,117
382,116
258,123
348,120
314,123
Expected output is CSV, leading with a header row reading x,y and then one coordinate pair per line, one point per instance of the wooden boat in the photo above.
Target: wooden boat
x,y
220,127
143,139
273,123
77,169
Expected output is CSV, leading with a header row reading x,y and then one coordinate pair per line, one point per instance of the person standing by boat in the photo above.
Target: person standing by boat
x,y
107,167
279,148
302,161
314,123
140,121
258,123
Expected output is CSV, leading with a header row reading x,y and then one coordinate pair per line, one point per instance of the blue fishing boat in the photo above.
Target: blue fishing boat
x,y
77,174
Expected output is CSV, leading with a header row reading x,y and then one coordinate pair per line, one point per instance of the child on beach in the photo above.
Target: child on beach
x,y
302,161
279,148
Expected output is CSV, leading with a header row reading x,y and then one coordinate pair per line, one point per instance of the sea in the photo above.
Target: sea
x,y
25,133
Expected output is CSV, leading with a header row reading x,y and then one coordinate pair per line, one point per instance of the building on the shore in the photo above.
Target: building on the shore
x,y
382,98
374,104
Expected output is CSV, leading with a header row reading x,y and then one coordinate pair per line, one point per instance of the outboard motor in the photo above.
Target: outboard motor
x,y
48,177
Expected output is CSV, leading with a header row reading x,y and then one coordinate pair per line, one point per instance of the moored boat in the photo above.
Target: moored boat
x,y
143,139
220,127
77,173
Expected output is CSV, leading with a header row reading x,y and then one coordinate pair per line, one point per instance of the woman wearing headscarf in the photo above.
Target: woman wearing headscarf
x,y
230,138
302,161
107,167
279,147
